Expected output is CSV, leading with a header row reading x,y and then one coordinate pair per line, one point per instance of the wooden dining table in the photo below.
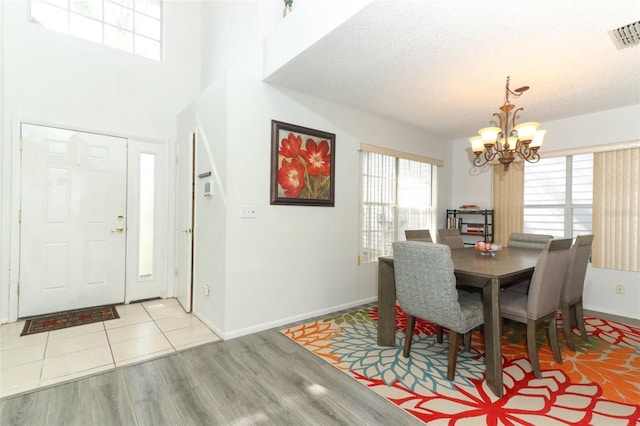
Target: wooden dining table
x,y
471,268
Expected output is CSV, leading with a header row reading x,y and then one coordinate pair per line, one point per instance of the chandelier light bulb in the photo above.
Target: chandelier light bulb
x,y
526,131
476,144
537,139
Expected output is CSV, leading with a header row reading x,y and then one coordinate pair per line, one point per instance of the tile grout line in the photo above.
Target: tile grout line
x,y
159,328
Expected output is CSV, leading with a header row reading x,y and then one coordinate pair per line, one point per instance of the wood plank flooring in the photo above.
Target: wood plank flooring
x,y
259,379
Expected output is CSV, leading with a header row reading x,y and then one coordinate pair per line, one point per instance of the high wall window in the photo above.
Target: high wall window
x,y
558,196
131,25
397,194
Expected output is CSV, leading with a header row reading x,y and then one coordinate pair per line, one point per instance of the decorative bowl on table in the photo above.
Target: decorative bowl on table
x,y
488,249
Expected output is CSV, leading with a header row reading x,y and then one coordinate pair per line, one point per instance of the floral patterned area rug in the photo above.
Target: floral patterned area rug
x,y
598,384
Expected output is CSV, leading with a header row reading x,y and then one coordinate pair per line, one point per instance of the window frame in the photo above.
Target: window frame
x,y
568,207
431,210
107,27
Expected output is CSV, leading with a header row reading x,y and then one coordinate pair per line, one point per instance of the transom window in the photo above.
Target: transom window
x,y
397,194
134,26
558,196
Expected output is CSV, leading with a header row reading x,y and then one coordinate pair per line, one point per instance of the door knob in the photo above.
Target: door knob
x,y
118,229
187,231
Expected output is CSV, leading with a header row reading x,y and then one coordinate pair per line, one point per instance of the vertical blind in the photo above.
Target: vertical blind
x,y
508,200
397,194
378,204
616,209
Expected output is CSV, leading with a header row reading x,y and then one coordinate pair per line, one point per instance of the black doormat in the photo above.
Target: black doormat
x,y
69,319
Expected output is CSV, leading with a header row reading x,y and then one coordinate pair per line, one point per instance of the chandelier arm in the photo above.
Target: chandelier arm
x,y
500,121
513,121
533,158
479,161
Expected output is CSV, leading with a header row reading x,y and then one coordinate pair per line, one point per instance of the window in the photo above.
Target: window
x,y
558,196
146,219
397,194
134,26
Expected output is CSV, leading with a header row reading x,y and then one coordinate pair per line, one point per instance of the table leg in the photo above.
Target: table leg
x,y
492,335
386,305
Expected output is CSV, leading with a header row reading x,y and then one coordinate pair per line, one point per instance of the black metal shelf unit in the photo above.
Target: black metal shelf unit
x,y
474,225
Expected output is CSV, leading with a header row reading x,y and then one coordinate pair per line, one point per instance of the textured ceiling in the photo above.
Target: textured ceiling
x,y
442,65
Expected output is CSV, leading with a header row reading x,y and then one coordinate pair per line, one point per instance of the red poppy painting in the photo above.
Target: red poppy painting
x,y
302,165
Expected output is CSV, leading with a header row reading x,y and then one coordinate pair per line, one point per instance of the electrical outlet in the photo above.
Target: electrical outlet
x,y
619,288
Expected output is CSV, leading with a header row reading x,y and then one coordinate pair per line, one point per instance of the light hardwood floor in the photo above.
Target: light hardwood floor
x,y
259,379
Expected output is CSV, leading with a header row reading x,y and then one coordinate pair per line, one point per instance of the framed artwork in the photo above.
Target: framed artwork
x,y
302,165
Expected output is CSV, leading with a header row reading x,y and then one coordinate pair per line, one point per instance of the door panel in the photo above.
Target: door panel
x,y
184,234
73,233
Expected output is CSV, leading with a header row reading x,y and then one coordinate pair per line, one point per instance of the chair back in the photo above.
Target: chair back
x,y
530,241
578,261
425,283
422,235
453,241
448,232
548,278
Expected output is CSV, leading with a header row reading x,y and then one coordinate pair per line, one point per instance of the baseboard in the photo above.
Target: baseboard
x,y
292,319
612,316
211,327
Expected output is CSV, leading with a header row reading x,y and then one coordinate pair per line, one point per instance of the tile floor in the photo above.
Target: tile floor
x,y
144,331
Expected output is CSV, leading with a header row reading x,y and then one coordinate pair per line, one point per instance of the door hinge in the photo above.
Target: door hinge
x,y
19,216
175,272
177,159
20,144
18,289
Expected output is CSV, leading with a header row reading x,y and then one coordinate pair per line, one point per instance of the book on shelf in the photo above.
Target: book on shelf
x,y
475,229
453,222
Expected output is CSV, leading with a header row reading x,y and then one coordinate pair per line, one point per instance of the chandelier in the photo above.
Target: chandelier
x,y
508,141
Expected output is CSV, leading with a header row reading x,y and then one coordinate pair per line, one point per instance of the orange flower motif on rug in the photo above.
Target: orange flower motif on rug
x,y
597,384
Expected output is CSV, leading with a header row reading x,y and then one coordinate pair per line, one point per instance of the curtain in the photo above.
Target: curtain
x,y
508,201
616,209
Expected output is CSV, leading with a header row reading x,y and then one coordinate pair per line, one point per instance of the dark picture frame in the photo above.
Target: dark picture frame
x,y
302,165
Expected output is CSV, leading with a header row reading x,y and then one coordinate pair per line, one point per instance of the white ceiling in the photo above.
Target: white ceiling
x,y
442,64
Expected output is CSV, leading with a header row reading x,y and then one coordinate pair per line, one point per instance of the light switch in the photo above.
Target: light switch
x,y
248,211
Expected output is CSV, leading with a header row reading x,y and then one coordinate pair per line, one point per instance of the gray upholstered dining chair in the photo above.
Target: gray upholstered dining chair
x,y
543,300
571,296
422,235
448,232
450,237
426,288
454,242
530,241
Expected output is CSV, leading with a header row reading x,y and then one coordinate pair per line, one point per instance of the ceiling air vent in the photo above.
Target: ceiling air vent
x,y
627,36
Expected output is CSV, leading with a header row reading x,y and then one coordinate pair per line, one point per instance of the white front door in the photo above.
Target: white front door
x,y
184,237
73,223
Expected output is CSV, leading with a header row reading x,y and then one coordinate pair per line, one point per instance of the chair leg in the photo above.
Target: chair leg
x,y
566,325
580,320
553,338
467,341
454,340
439,333
408,335
532,348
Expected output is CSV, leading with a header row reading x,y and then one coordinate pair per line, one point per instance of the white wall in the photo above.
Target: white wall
x,y
473,185
55,79
290,262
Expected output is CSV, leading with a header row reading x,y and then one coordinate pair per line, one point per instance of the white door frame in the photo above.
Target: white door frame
x,y
10,304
